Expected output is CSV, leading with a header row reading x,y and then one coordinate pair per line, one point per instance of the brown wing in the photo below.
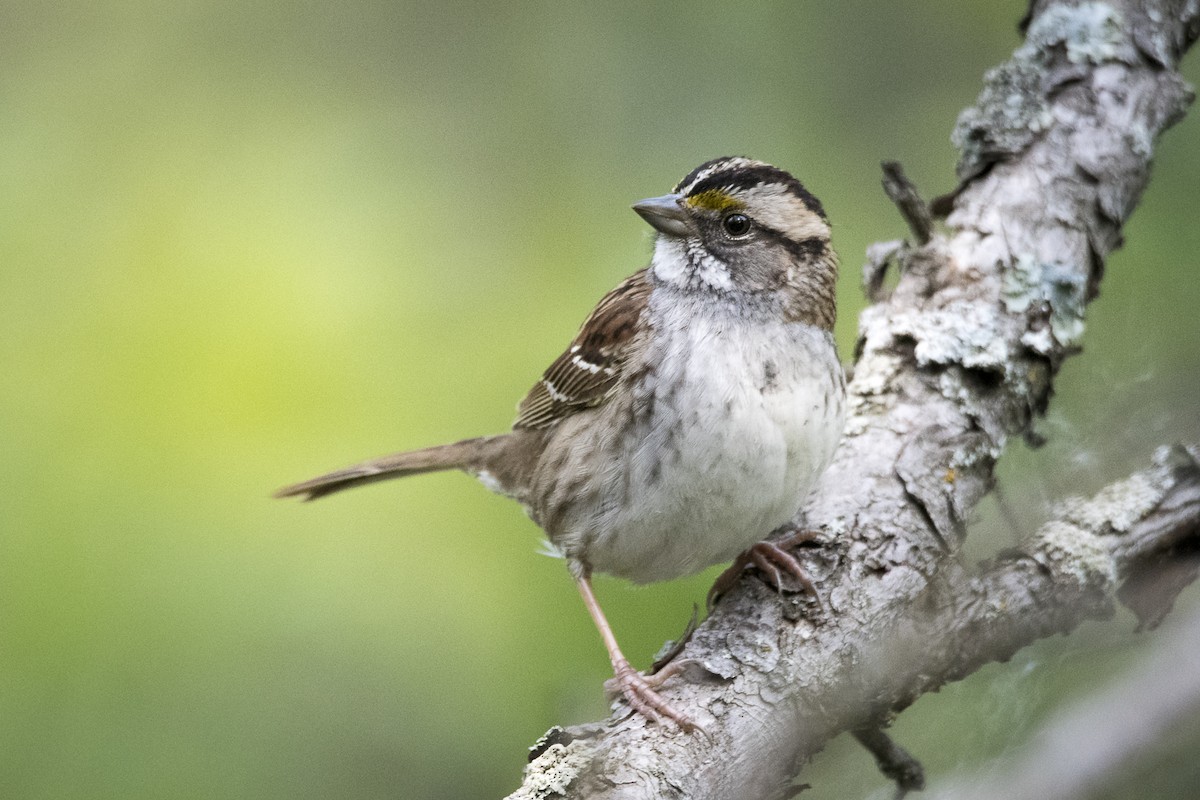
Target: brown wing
x,y
585,375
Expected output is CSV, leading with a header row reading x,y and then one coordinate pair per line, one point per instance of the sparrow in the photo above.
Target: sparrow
x,y
692,413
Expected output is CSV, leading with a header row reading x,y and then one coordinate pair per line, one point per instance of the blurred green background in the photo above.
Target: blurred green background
x,y
241,243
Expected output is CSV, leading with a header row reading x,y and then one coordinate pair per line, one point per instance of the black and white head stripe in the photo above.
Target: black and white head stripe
x,y
737,174
772,198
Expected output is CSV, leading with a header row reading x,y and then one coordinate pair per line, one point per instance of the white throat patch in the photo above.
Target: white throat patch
x,y
681,262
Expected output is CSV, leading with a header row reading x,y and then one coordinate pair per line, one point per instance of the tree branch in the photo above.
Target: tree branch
x,y
853,675
1104,733
962,355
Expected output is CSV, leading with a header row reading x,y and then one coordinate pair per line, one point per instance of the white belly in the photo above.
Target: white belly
x,y
730,441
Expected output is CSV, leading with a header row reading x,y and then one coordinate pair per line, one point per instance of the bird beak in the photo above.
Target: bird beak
x,y
666,214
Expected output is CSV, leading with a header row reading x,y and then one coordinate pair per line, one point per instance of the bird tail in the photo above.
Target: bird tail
x,y
465,455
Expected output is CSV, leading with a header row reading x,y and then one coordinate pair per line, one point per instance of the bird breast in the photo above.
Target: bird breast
x,y
728,425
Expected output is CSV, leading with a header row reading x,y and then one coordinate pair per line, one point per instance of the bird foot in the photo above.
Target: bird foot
x,y
639,691
772,559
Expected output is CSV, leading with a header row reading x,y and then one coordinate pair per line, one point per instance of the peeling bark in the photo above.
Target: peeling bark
x,y
961,356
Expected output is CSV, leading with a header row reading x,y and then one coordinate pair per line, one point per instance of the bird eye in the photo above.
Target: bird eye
x,y
736,224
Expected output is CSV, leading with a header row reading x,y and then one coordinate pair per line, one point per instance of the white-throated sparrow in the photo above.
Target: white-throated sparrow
x,y
694,410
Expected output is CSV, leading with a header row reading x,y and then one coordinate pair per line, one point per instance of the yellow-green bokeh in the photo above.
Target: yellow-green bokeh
x,y
241,243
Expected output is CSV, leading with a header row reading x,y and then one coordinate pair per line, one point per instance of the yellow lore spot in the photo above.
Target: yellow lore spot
x,y
715,200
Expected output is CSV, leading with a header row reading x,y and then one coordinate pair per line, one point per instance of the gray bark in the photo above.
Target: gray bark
x,y
960,357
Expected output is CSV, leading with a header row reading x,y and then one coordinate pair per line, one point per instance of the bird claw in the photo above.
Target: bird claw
x,y
638,691
770,557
